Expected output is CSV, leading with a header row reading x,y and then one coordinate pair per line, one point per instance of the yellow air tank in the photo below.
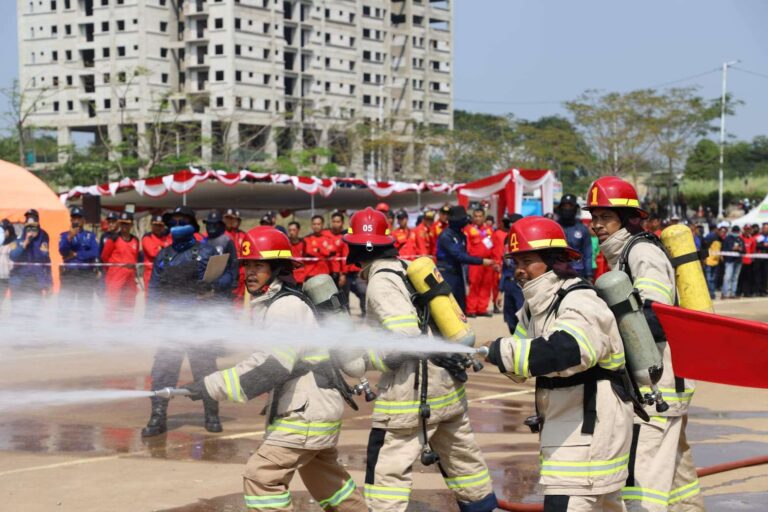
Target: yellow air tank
x,y
691,284
443,308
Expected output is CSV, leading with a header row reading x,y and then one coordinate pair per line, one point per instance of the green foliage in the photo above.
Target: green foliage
x,y
741,159
705,192
703,162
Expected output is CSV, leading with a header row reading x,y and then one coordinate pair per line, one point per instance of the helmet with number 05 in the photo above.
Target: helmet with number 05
x,y
369,228
265,243
538,234
613,192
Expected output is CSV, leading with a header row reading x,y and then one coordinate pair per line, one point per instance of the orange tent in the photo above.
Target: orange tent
x,y
22,190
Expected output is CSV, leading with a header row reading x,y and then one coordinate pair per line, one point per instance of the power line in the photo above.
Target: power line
x,y
750,72
687,78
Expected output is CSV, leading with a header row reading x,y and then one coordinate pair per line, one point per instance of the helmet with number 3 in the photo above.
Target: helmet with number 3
x,y
369,228
538,234
265,243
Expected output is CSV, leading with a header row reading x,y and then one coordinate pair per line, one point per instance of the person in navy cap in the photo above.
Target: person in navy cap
x,y
152,243
79,249
32,278
232,222
222,244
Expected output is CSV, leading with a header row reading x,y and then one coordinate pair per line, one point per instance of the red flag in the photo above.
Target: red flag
x,y
716,348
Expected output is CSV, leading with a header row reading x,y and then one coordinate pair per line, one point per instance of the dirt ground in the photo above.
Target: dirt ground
x,y
91,457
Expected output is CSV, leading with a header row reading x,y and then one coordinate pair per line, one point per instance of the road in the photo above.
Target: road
x,y
91,457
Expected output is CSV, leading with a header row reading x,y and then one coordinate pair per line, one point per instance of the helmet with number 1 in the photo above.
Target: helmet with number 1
x,y
613,192
535,233
369,228
265,243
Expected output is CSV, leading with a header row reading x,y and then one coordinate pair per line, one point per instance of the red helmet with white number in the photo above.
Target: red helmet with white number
x,y
382,207
613,192
369,228
538,234
265,243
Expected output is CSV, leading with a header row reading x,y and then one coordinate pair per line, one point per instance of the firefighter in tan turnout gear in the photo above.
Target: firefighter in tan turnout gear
x,y
305,403
412,402
662,473
568,339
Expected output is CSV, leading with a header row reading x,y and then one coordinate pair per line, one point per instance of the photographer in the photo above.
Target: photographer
x,y
33,277
79,249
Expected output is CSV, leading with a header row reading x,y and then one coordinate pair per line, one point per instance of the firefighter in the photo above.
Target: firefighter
x,y
79,249
663,474
338,251
513,294
422,237
111,228
151,245
317,249
121,254
568,339
177,285
305,408
232,222
452,254
398,435
481,278
402,235
297,250
576,233
222,244
32,278
439,225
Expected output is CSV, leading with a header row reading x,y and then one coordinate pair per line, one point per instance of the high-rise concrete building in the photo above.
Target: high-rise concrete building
x,y
245,77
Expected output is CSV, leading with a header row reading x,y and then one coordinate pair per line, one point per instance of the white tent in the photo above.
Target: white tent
x,y
757,215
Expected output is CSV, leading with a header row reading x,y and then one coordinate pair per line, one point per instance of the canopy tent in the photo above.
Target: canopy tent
x,y
506,189
21,191
757,215
247,190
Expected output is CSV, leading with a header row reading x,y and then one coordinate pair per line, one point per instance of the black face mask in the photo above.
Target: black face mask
x,y
458,225
214,230
568,217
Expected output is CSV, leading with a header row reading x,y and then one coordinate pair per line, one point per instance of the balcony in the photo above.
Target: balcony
x,y
196,9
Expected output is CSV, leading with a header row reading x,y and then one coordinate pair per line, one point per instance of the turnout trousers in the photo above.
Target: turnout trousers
x,y
391,454
270,470
610,502
661,472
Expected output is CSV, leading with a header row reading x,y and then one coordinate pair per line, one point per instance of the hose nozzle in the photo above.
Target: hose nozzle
x,y
482,351
168,393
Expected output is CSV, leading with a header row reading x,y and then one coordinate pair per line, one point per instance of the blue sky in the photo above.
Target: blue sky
x,y
527,56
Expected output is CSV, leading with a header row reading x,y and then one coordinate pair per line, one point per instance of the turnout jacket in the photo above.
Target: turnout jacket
x,y
581,336
301,414
388,306
653,276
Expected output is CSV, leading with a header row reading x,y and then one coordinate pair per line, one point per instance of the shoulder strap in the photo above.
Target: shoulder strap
x,y
583,284
290,290
422,309
623,263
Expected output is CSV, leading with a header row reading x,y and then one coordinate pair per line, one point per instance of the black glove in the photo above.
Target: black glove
x,y
453,363
197,390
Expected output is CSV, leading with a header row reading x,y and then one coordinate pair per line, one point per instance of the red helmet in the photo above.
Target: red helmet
x,y
613,192
265,243
382,207
370,228
538,234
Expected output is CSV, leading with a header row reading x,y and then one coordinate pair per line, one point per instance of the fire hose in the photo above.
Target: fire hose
x,y
701,472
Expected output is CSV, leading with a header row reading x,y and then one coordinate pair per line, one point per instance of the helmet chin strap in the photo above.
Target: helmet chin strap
x,y
368,246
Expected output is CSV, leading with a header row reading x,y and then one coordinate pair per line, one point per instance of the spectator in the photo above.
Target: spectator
x,y
422,237
747,281
222,244
713,243
151,245
317,247
33,277
79,249
576,233
403,236
7,244
109,228
297,250
732,244
499,247
339,251
481,278
513,294
439,225
232,221
121,254
761,263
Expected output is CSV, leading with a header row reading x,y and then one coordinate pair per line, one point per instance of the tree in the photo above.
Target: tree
x,y
22,103
703,162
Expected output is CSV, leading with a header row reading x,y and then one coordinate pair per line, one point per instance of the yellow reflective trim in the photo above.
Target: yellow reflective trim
x,y
286,355
399,318
578,463
377,362
387,493
580,337
315,358
465,481
641,494
548,242
613,361
646,283
659,419
275,254
412,406
227,384
520,360
686,491
617,201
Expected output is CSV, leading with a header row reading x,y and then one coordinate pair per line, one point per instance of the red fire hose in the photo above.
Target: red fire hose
x,y
711,470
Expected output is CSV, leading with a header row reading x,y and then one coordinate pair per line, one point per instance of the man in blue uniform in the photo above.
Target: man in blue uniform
x,y
222,244
513,294
177,286
33,277
576,234
79,249
452,254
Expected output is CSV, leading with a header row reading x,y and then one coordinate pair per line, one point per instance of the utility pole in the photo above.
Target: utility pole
x,y
722,138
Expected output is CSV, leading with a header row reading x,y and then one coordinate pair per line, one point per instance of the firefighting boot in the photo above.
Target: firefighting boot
x,y
212,422
157,421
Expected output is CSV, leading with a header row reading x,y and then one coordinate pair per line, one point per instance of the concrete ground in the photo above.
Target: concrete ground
x,y
91,457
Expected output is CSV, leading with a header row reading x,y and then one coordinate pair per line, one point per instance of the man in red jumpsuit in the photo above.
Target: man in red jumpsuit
x,y
232,221
152,243
439,225
318,247
422,240
297,250
402,234
121,252
339,250
499,236
481,278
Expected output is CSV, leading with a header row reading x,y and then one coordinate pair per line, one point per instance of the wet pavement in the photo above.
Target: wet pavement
x,y
79,457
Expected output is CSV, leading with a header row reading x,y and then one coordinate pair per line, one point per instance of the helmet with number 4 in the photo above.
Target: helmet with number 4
x,y
265,243
613,192
369,228
536,233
